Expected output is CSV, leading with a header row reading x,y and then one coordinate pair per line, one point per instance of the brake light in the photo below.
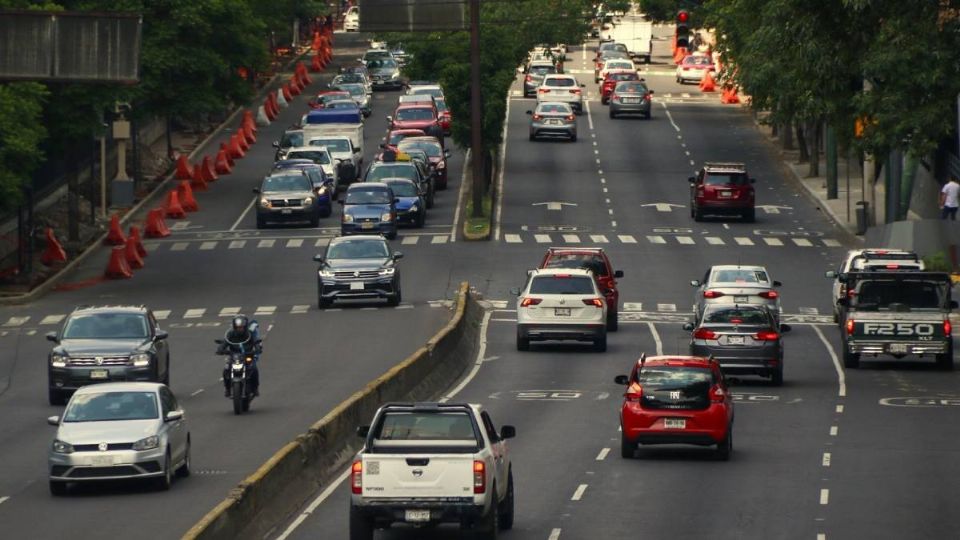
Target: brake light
x,y
528,301
575,90
543,90
647,97
766,335
479,476
593,302
571,117
769,295
893,266
712,294
851,293
633,394
703,333
686,69
529,78
947,328
557,276
356,477
614,97
537,117
850,324
717,395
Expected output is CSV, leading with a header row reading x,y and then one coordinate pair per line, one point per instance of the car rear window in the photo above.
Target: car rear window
x,y
555,108
380,172
726,179
588,261
291,139
619,65
697,61
631,88
561,284
415,114
739,275
621,76
695,379
542,70
432,426
560,82
736,315
883,295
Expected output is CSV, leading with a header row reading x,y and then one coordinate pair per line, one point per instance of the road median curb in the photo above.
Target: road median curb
x,y
278,488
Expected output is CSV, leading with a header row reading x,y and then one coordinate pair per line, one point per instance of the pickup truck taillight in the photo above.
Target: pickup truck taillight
x,y
947,328
356,477
479,476
850,325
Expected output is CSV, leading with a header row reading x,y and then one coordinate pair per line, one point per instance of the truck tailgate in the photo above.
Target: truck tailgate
x,y
421,476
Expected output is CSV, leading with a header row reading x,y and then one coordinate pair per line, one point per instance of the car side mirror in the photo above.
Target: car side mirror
x,y
777,284
397,255
53,420
830,274
256,190
515,291
363,431
52,336
622,380
396,200
508,432
785,328
954,304
173,416
695,283
160,335
688,327
276,144
692,179
389,118
356,150
318,258
618,274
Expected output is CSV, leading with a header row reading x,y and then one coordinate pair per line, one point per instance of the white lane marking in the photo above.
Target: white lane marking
x,y
405,306
151,247
667,307
31,332
266,243
596,152
685,240
578,494
684,94
670,117
743,241
726,226
656,239
207,246
542,238
52,319
298,309
439,239
656,338
243,214
808,310
599,239
571,238
481,351
229,312
180,225
499,209
773,241
409,240
4,499
314,504
161,314
603,454
197,392
841,376
512,238
265,310
586,106
605,190
830,242
627,239
714,240
824,496
321,242
834,430
839,409
554,535
610,211
603,180
237,244
633,306
600,171
826,459
294,242
195,313
613,223
802,242
821,536
179,246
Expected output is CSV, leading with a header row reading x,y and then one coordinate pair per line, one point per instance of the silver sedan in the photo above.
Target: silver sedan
x,y
553,119
630,97
737,285
119,431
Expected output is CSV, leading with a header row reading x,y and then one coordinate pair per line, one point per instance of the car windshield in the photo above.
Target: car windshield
x,y
358,196
285,183
736,315
332,145
892,295
431,149
561,108
106,326
431,426
561,284
622,76
354,89
560,81
631,88
441,104
382,64
697,61
342,104
349,78
403,189
578,260
107,406
291,139
317,156
542,70
692,379
619,65
726,179
397,170
418,113
739,275
435,92
358,249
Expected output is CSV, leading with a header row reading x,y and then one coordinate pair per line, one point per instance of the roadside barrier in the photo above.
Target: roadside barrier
x,y
226,150
222,164
234,147
207,170
197,182
117,266
132,256
248,120
729,95
707,84
315,65
249,132
184,169
282,100
115,236
242,142
172,208
187,201
54,252
262,118
137,240
156,227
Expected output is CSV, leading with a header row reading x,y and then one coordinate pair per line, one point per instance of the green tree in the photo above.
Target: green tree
x,y
21,133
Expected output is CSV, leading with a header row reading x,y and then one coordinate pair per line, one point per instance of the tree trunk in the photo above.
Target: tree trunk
x,y
802,143
787,135
813,128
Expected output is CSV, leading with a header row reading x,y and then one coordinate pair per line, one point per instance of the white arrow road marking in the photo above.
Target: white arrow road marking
x,y
664,207
773,209
554,205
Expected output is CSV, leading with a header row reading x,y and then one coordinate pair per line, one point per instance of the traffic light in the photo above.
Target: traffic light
x,y
683,30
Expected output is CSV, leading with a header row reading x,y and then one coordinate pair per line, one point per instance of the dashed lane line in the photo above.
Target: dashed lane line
x,y
824,496
834,430
578,494
554,535
826,459
603,454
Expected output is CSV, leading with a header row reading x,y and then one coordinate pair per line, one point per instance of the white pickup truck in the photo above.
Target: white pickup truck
x,y
348,159
430,463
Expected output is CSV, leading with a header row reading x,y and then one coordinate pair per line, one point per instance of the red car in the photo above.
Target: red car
x,y
446,117
394,136
722,188
595,260
321,99
416,116
676,400
611,80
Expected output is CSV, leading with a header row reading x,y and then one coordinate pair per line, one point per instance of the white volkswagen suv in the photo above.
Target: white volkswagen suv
x,y
561,304
564,88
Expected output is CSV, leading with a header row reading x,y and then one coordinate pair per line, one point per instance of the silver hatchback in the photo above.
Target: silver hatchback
x,y
551,119
119,431
736,284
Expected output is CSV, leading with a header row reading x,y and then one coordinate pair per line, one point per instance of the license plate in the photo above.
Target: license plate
x,y
553,122
366,225
286,211
741,299
898,348
561,311
416,515
675,423
735,340
631,100
356,286
101,461
99,374
724,194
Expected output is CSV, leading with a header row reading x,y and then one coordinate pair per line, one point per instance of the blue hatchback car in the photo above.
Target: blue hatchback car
x,y
323,185
369,208
411,206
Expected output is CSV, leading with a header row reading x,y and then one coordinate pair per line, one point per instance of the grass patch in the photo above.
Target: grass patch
x,y
477,227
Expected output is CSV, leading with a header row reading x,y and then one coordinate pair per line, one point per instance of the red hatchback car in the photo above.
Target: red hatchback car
x,y
676,400
595,260
722,188
611,80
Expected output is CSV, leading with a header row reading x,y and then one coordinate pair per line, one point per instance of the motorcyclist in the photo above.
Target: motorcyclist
x,y
243,336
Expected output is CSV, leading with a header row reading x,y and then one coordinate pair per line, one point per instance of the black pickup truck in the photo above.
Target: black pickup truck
x,y
898,314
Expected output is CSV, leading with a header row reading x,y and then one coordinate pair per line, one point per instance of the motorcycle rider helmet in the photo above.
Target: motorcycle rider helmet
x,y
240,323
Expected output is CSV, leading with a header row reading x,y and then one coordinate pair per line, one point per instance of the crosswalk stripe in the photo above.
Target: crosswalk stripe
x,y
321,242
439,239
542,238
599,239
194,313
179,225
666,307
685,240
743,240
809,310
229,311
830,242
627,239
571,238
17,321
773,241
179,246
52,319
656,239
714,240
207,246
266,243
151,247
265,310
161,314
802,242
237,244
294,242
299,308
409,240
512,238
633,306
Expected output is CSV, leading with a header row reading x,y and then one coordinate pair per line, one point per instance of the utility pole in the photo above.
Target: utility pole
x,y
476,111
831,137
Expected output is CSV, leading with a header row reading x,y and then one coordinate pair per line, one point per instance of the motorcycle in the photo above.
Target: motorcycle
x,y
240,367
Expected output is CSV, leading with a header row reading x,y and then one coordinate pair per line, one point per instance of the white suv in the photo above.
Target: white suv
x,y
351,21
859,260
563,88
561,304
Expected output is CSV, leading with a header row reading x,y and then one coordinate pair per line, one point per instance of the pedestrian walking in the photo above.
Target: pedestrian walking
x,y
950,199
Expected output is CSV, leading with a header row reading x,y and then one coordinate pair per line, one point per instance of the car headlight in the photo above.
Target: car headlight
x,y
413,209
389,271
140,360
58,360
348,218
325,273
395,74
441,165
308,201
265,203
61,447
387,216
147,443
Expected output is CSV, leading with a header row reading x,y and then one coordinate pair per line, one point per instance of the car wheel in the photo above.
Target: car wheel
x,y
360,527
166,376
613,321
612,114
506,511
523,343
184,470
750,215
488,530
697,214
725,447
261,223
600,344
58,488
648,115
396,298
56,397
777,376
945,361
323,303
851,360
573,138
628,450
164,482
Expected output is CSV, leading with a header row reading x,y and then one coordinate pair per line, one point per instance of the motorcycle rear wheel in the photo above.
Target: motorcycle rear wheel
x,y
238,398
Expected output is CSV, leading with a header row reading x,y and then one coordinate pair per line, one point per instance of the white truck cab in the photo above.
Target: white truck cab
x,y
873,259
429,463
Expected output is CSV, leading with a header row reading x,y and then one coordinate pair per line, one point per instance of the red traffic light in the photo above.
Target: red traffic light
x,y
682,17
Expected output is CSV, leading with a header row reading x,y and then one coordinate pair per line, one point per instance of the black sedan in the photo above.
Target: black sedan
x,y
358,267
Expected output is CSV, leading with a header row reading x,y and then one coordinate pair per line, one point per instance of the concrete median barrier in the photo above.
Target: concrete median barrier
x,y
269,496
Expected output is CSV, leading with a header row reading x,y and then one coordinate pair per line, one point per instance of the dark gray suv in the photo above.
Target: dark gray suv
x,y
104,344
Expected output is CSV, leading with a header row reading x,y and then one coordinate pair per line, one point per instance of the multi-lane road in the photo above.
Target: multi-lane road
x,y
830,454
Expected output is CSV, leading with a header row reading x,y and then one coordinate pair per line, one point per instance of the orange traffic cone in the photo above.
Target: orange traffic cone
x,y
184,169
54,252
268,108
187,201
316,41
173,208
221,165
248,131
137,240
198,183
132,256
315,64
249,120
156,227
680,55
729,95
302,69
286,91
226,150
207,171
115,237
242,141
273,103
117,267
235,151
707,84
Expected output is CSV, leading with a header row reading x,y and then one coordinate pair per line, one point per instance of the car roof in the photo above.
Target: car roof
x,y
565,271
749,267
358,238
716,166
681,361
396,181
422,139
558,76
542,62
307,147
110,309
119,387
595,250
416,105
365,186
